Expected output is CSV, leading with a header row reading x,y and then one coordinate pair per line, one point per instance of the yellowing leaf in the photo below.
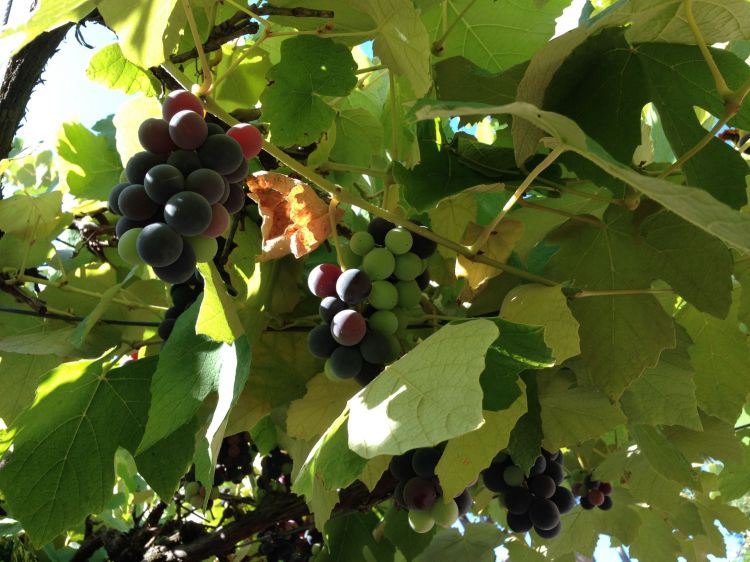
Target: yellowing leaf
x,y
429,395
547,307
128,119
465,456
451,217
499,246
295,220
374,470
310,416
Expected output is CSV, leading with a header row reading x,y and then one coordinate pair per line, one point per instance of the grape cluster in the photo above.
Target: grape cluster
x,y
594,493
534,501
235,459
183,295
286,541
195,493
364,307
419,491
181,190
276,468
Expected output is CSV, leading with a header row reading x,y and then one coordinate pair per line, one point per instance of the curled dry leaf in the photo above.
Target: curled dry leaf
x,y
295,219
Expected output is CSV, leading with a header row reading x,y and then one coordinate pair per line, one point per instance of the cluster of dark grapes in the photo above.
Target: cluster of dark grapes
x,y
183,295
419,491
594,493
275,471
286,541
235,459
534,501
181,190
364,307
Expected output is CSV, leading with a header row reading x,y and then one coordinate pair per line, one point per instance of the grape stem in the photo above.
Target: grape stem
x,y
390,192
334,233
371,69
721,85
571,216
265,23
337,167
205,86
618,293
350,199
437,45
59,315
517,195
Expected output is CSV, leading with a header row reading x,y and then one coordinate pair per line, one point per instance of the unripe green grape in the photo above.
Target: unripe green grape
x,y
384,295
196,501
192,489
349,258
444,514
384,321
409,294
126,247
379,264
421,521
513,476
328,370
398,240
361,242
205,248
396,350
408,267
403,318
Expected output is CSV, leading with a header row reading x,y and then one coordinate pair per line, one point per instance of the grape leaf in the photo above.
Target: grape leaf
x,y
498,247
89,163
451,217
620,335
358,135
242,87
401,535
433,391
79,407
734,479
309,417
648,485
547,307
128,119
109,67
573,414
526,438
310,67
20,375
670,382
465,456
663,455
217,317
190,368
692,204
401,40
247,411
655,541
477,543
488,41
352,537
721,358
141,27
717,440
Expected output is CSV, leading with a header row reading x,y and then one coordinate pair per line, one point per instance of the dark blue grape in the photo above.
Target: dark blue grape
x,y
320,342
353,286
158,245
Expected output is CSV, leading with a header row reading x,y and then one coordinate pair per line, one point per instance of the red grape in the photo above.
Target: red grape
x,y
153,135
348,327
180,100
188,130
595,497
219,221
249,138
322,280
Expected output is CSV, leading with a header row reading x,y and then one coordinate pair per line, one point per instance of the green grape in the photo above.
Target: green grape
x,y
350,259
444,514
408,267
513,476
205,248
398,240
396,350
126,247
383,295
196,501
361,242
379,264
384,321
409,294
328,370
403,318
192,489
421,521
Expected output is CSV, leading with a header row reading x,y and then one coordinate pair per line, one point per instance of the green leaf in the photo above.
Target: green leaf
x,y
128,119
648,485
696,265
742,274
217,317
281,367
655,541
359,135
20,375
488,41
670,382
438,175
692,204
662,454
89,163
573,414
310,416
402,536
48,15
241,88
477,543
351,537
433,391
465,456
109,67
721,358
451,217
190,368
620,335
79,409
734,479
166,461
310,67
716,440
401,41
547,307
141,27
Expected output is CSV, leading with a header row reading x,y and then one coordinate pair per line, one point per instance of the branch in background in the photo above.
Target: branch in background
x,y
268,10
